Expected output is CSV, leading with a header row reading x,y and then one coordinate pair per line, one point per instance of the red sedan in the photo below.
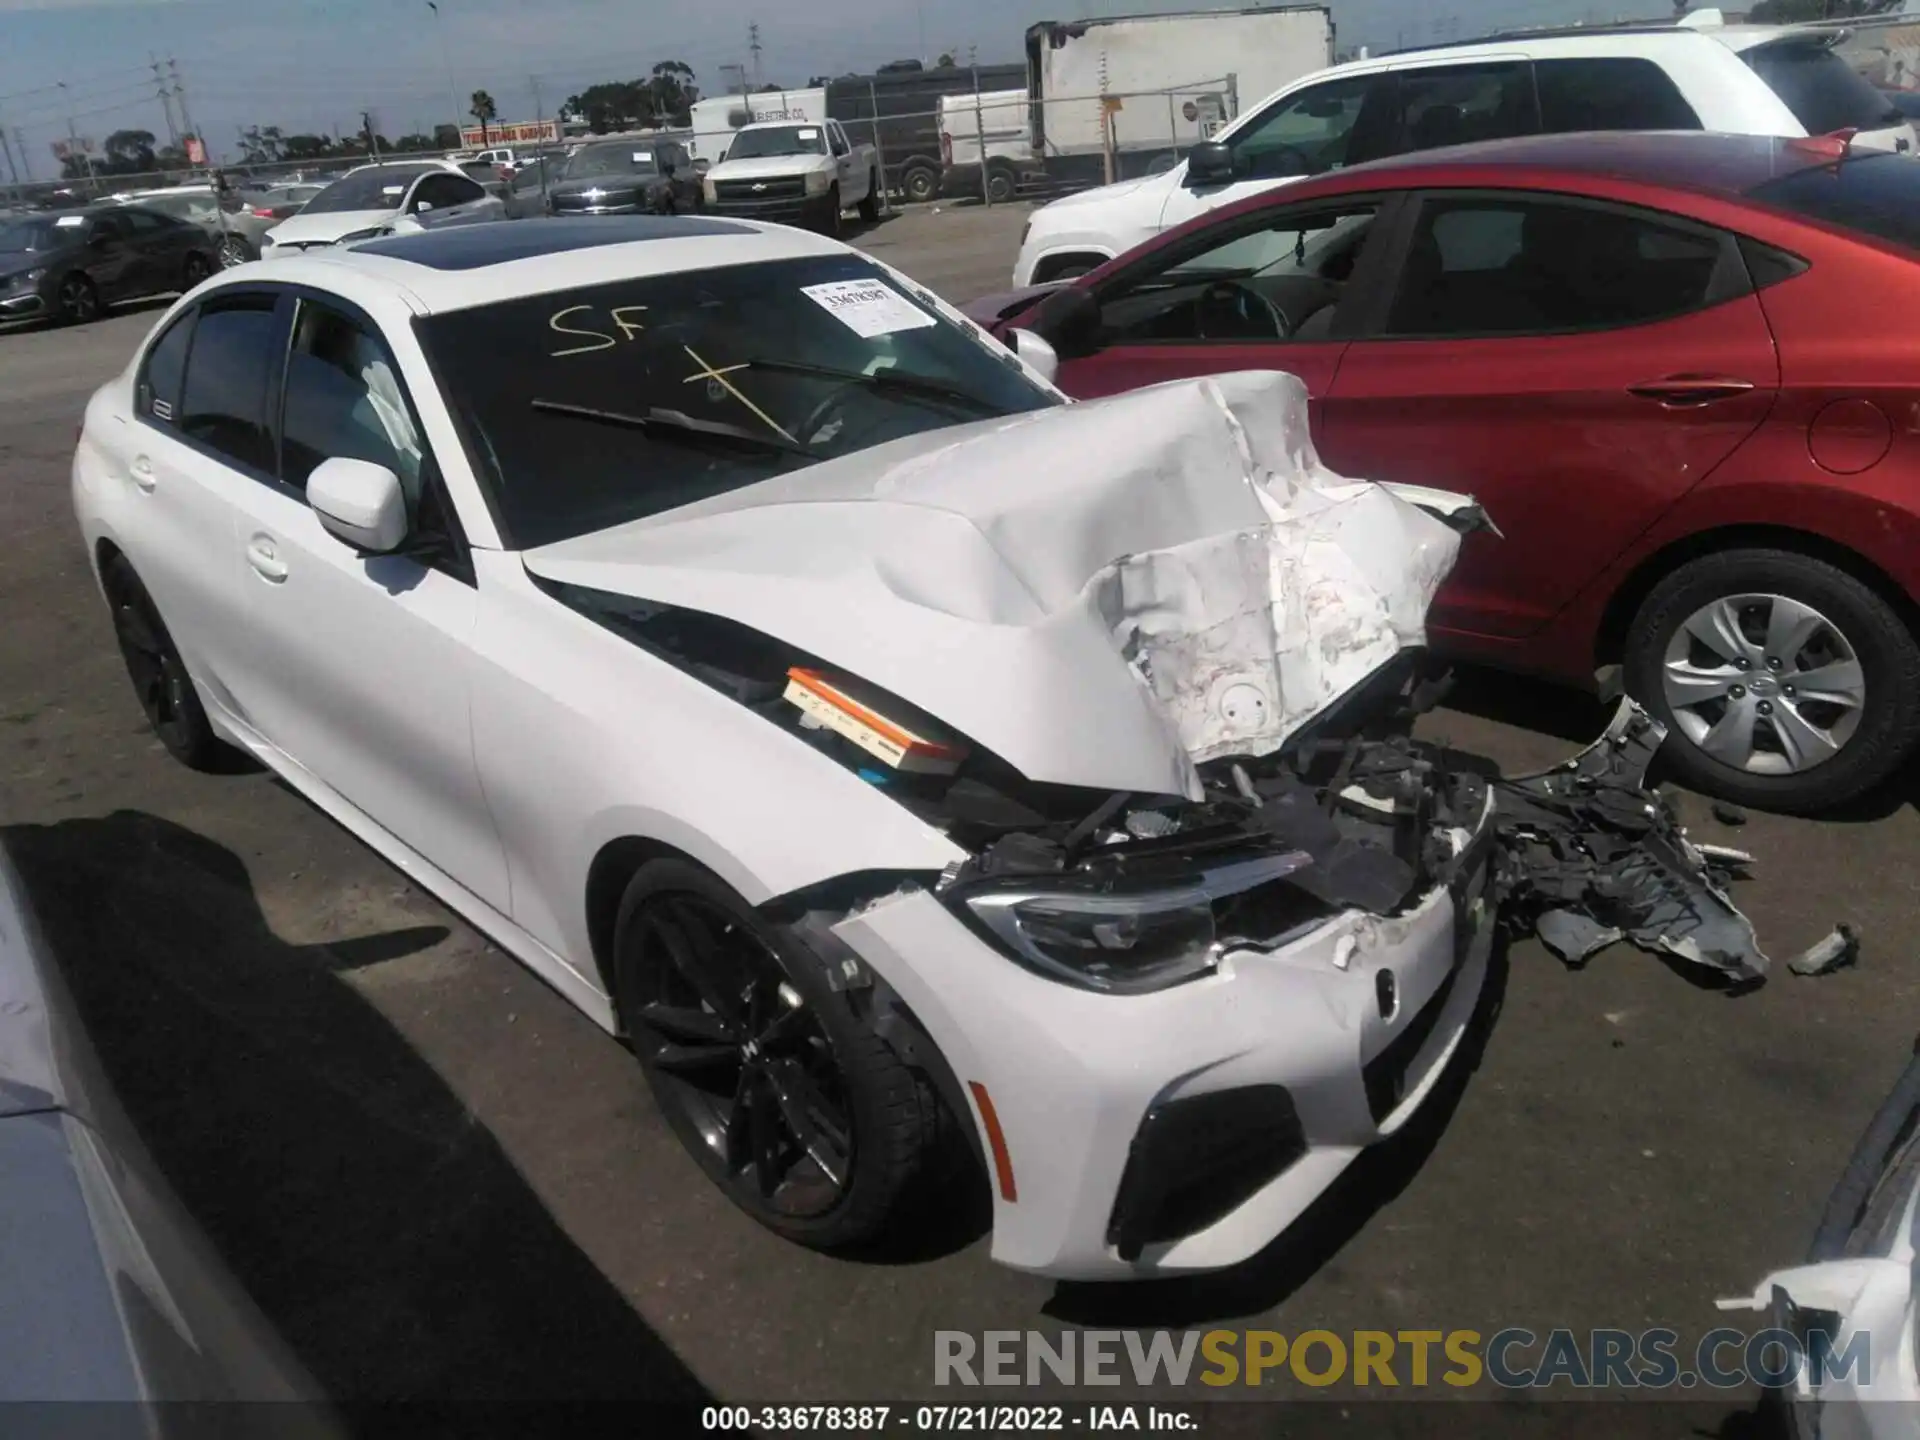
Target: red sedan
x,y
1681,372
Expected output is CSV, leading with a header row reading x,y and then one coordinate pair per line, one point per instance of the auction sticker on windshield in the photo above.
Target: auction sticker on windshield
x,y
868,307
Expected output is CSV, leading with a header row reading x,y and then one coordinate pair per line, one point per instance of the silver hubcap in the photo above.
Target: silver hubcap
x,y
1765,684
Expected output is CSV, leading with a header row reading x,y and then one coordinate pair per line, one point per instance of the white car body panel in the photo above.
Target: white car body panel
x,y
1703,64
491,741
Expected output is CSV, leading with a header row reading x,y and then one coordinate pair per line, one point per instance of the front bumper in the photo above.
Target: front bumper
x,y
812,211
22,304
1073,1076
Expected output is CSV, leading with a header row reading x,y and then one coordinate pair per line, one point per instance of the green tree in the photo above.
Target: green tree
x,y
611,105
673,91
129,152
485,111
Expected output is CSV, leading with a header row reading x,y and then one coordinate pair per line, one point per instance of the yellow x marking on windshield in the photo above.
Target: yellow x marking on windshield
x,y
707,372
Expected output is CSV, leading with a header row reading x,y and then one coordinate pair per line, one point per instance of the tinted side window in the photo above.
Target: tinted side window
x,y
158,393
1609,94
146,225
1822,90
230,368
1461,104
344,401
1304,135
1516,267
438,191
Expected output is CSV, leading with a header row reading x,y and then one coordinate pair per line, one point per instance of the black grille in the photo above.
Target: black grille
x,y
792,188
1197,1159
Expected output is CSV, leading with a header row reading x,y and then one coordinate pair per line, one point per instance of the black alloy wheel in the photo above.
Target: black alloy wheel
x,y
77,301
774,1082
160,680
741,1057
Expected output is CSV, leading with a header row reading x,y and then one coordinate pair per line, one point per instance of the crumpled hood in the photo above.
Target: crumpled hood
x,y
1102,594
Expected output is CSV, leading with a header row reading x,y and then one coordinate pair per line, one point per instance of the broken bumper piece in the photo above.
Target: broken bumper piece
x,y
1590,856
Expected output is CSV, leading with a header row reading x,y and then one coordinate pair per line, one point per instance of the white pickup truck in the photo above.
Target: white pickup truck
x,y
796,172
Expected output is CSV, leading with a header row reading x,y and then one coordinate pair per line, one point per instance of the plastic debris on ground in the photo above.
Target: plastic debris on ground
x,y
1839,948
1590,856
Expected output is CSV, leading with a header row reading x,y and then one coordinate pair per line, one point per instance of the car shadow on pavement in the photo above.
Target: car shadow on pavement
x,y
378,1224
1266,1280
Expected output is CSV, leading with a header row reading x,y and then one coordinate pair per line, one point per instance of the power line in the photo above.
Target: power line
x,y
59,84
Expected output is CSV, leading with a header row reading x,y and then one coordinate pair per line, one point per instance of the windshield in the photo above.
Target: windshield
x,y
778,140
23,237
380,189
593,407
1877,194
610,160
1823,91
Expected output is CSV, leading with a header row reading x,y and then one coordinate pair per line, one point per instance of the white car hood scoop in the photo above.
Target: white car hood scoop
x,y
1103,594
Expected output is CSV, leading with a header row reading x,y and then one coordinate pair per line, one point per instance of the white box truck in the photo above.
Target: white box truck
x,y
1141,89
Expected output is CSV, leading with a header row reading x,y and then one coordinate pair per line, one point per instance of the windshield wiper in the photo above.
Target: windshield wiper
x,y
881,380
672,424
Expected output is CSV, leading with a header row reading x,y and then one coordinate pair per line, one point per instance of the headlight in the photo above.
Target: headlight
x,y
1026,230
1124,943
818,181
24,278
373,234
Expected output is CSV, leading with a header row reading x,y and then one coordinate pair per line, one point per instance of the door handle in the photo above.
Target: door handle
x,y
265,560
1691,390
142,472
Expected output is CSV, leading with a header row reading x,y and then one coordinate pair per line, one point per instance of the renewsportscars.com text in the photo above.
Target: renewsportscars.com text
x,y
1511,1359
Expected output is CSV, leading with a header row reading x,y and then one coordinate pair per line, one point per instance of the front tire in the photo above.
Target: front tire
x,y
195,269
870,205
775,1083
77,300
1784,682
160,680
830,217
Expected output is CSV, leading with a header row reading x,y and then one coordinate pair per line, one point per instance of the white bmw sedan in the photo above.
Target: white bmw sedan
x,y
891,753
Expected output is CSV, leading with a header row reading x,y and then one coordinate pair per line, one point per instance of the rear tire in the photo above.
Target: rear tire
x,y
920,184
738,1030
196,268
1747,727
1002,184
234,251
78,300
160,680
870,204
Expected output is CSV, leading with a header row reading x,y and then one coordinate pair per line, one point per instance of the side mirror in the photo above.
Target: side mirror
x,y
1209,163
360,503
1039,356
420,205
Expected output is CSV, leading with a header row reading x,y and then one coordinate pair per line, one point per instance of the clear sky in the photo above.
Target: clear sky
x,y
308,65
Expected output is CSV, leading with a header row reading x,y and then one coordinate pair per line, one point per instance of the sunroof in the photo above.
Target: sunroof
x,y
473,247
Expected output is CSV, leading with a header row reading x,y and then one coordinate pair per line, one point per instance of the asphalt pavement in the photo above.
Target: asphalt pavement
x,y
441,1182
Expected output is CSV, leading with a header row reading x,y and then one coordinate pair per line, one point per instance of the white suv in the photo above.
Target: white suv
x,y
1697,75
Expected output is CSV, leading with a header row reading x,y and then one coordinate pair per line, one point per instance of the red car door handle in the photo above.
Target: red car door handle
x,y
1691,389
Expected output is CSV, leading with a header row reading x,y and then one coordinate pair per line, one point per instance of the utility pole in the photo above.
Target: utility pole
x,y
453,95
166,101
187,126
753,44
20,148
73,136
373,137
545,161
13,170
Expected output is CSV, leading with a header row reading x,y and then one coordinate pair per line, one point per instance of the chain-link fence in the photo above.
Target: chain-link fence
x,y
100,185
994,146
